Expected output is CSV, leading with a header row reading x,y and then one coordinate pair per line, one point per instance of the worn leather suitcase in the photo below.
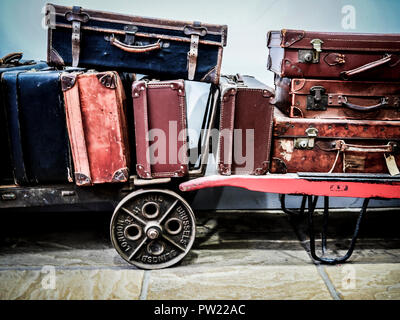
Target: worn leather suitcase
x,y
345,99
160,128
36,126
96,120
330,55
9,63
335,145
245,126
157,47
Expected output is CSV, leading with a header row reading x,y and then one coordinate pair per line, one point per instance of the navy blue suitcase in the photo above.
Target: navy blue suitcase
x,y
160,48
37,127
11,62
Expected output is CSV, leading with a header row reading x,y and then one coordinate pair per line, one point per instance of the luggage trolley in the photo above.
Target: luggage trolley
x,y
153,225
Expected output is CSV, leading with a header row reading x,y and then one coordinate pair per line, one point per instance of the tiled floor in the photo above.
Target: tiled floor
x,y
244,255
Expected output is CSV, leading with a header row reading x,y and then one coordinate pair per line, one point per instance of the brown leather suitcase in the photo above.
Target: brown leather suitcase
x,y
160,128
330,55
345,99
245,126
334,145
95,111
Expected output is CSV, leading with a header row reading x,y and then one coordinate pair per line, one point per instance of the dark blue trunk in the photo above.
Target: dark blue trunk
x,y
6,175
37,127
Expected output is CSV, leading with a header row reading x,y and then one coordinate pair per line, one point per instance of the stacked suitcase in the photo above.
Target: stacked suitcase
x,y
338,102
245,126
91,122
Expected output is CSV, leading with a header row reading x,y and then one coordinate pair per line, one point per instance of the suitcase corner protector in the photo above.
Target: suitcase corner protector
x,y
82,179
121,175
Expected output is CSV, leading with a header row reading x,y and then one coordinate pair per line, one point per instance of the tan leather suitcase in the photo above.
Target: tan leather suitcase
x,y
95,110
245,126
160,128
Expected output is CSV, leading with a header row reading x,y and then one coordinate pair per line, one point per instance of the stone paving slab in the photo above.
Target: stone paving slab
x,y
244,282
366,281
235,256
70,284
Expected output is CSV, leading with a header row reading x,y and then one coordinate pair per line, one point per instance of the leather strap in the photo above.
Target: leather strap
x,y
192,55
340,146
76,37
345,75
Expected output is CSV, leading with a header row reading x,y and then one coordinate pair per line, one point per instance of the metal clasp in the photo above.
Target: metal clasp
x,y
130,32
311,56
317,46
317,99
309,142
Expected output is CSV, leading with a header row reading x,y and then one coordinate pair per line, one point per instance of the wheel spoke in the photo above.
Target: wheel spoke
x,y
137,248
173,242
134,216
168,211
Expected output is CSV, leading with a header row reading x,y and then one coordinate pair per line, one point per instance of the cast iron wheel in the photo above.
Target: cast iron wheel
x,y
153,229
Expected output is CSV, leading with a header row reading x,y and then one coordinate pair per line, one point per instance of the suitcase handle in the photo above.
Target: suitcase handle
x,y
11,58
134,49
345,75
341,145
383,103
14,59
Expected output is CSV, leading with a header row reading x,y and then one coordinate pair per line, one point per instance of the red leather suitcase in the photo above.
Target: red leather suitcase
x,y
334,145
345,99
245,126
160,128
330,55
95,111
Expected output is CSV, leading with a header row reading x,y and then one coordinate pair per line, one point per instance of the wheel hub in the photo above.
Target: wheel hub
x,y
153,233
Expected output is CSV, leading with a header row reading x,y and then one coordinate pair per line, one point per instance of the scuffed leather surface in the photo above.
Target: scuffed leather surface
x,y
358,132
104,127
